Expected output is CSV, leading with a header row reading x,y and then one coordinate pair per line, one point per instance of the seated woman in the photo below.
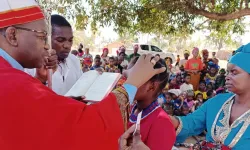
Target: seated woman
x,y
157,131
226,117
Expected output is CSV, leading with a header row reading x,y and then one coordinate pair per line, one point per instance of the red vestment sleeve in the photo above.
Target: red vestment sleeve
x,y
162,135
32,117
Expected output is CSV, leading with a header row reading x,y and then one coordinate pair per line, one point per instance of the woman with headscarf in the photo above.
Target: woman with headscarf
x,y
226,117
184,61
104,56
194,67
80,51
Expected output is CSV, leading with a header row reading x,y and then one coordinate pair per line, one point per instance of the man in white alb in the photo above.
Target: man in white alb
x,y
69,69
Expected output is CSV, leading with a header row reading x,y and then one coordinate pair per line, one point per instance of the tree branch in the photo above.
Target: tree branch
x,y
246,3
241,3
218,16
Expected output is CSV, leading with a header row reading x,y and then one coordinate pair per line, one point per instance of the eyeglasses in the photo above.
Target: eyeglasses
x,y
32,30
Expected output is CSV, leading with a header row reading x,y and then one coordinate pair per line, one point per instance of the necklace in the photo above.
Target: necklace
x,y
145,112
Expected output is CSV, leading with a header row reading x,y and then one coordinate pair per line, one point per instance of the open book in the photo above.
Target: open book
x,y
94,86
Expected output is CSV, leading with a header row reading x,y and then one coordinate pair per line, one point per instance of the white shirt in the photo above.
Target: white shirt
x,y
124,63
65,76
186,87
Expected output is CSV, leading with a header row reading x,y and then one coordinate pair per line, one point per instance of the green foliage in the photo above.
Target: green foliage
x,y
166,16
178,18
71,9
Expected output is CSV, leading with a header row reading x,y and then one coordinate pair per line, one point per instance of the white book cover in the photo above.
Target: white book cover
x,y
94,86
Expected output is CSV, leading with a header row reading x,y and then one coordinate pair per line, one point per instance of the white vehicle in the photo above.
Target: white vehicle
x,y
151,49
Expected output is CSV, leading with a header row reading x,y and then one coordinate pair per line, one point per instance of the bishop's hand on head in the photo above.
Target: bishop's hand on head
x,y
142,71
51,63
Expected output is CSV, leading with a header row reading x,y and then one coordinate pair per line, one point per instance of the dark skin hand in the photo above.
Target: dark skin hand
x,y
79,98
128,141
51,62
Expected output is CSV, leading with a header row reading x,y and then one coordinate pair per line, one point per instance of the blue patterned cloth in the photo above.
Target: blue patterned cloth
x,y
210,116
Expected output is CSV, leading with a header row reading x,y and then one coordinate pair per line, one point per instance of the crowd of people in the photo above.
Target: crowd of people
x,y
104,62
154,105
181,92
197,80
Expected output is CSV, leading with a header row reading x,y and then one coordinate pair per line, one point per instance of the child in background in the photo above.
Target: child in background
x,y
185,110
161,99
220,79
178,100
190,101
85,68
202,90
177,61
175,93
210,86
178,80
97,64
169,63
211,75
186,86
199,100
87,58
210,94
168,106
173,84
111,67
182,73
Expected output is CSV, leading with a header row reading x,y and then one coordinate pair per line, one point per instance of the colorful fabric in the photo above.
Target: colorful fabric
x,y
194,64
14,12
152,107
203,93
213,116
87,59
104,50
241,57
35,117
190,104
96,67
195,79
161,99
177,104
108,68
210,79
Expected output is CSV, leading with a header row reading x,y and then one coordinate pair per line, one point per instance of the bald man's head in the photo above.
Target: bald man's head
x,y
26,43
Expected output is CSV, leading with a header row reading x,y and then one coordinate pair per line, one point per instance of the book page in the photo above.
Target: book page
x,y
102,86
83,84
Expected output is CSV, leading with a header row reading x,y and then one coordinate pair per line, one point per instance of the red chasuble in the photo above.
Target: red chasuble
x,y
32,117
